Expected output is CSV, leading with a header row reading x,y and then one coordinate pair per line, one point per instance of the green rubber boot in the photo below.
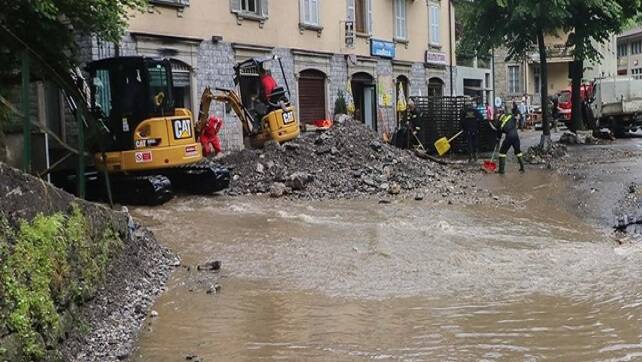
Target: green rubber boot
x,y
502,165
520,158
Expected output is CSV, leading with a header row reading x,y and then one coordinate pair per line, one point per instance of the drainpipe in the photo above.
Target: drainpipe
x,y
450,46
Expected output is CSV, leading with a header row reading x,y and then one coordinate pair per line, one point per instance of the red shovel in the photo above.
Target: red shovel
x,y
491,166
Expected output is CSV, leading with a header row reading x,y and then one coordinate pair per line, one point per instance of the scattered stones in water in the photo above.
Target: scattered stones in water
x,y
210,266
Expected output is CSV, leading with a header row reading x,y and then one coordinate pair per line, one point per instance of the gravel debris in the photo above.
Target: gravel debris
x,y
346,162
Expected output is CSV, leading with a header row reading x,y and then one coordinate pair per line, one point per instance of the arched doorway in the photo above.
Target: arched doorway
x,y
364,93
403,82
312,106
435,87
182,91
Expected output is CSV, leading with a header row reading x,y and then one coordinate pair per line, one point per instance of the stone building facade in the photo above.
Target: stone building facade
x,y
312,38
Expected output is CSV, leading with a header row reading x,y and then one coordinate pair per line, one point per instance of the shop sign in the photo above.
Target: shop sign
x,y
380,48
436,58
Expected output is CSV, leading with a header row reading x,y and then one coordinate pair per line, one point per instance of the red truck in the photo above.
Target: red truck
x,y
565,105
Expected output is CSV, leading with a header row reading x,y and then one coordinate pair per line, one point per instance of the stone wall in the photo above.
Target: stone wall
x,y
337,79
419,84
214,69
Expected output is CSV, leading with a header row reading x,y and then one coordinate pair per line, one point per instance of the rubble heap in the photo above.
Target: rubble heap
x,y
347,161
538,155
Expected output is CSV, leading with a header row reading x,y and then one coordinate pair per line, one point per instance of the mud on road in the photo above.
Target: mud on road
x,y
538,278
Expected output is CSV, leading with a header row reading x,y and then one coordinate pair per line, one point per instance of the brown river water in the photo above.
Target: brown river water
x,y
413,281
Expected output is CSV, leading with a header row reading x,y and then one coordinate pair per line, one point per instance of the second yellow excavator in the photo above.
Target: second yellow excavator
x,y
263,118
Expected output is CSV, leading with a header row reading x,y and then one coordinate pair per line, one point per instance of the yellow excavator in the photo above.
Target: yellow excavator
x,y
263,118
149,148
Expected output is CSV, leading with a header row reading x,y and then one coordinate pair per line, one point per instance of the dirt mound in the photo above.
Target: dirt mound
x,y
347,161
109,272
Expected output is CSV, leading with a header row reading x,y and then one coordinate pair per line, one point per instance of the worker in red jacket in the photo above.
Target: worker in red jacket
x,y
268,84
209,136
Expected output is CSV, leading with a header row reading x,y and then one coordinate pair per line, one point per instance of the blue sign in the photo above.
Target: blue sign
x,y
381,48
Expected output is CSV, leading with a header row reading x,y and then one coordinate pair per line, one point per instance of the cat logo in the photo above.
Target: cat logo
x,y
182,129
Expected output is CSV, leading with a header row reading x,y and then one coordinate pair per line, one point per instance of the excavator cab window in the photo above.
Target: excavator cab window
x,y
160,86
128,90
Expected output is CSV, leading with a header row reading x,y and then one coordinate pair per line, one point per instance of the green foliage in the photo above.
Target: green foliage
x,y
48,264
513,24
340,106
595,21
52,27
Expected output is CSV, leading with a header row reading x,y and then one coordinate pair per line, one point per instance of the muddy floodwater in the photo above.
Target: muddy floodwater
x,y
410,280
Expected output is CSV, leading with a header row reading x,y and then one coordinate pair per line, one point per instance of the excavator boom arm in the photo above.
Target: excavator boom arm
x,y
227,96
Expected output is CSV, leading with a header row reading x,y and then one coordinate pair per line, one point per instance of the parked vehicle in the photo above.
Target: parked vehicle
x,y
565,101
616,104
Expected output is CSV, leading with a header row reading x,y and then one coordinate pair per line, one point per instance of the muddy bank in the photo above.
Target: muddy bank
x,y
77,279
347,162
603,175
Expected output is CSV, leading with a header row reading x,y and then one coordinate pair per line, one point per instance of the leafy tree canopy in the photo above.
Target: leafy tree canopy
x,y
52,27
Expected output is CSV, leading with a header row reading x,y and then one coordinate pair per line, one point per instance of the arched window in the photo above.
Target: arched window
x,y
435,87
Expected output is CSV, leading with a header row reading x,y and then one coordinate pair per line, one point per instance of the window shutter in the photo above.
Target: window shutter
x,y
315,12
351,10
264,8
235,5
302,11
369,18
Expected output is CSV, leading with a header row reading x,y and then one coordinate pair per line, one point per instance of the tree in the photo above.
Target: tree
x,y
592,22
520,26
49,31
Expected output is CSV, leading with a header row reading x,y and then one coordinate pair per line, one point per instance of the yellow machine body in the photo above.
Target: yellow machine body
x,y
281,126
160,142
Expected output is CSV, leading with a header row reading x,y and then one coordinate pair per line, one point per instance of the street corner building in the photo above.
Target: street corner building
x,y
364,49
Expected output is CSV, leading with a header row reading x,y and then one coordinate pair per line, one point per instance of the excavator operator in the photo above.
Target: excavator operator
x,y
268,84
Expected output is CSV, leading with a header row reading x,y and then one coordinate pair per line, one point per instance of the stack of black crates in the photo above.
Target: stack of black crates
x,y
441,117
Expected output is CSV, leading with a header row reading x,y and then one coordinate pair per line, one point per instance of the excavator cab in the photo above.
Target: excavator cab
x,y
273,116
133,97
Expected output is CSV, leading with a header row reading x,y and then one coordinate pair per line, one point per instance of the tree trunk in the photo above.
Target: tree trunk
x,y
577,73
545,141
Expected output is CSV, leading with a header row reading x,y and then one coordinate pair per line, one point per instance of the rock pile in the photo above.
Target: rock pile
x,y
347,161
538,155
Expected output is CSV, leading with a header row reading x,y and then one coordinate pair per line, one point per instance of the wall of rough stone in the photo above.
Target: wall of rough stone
x,y
419,85
337,79
214,69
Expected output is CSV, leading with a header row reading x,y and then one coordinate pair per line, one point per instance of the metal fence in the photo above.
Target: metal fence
x,y
441,117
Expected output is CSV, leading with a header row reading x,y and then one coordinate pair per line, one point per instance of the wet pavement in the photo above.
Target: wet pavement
x,y
541,279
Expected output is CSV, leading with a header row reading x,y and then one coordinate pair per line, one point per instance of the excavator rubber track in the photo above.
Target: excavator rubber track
x,y
151,190
158,188
200,178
